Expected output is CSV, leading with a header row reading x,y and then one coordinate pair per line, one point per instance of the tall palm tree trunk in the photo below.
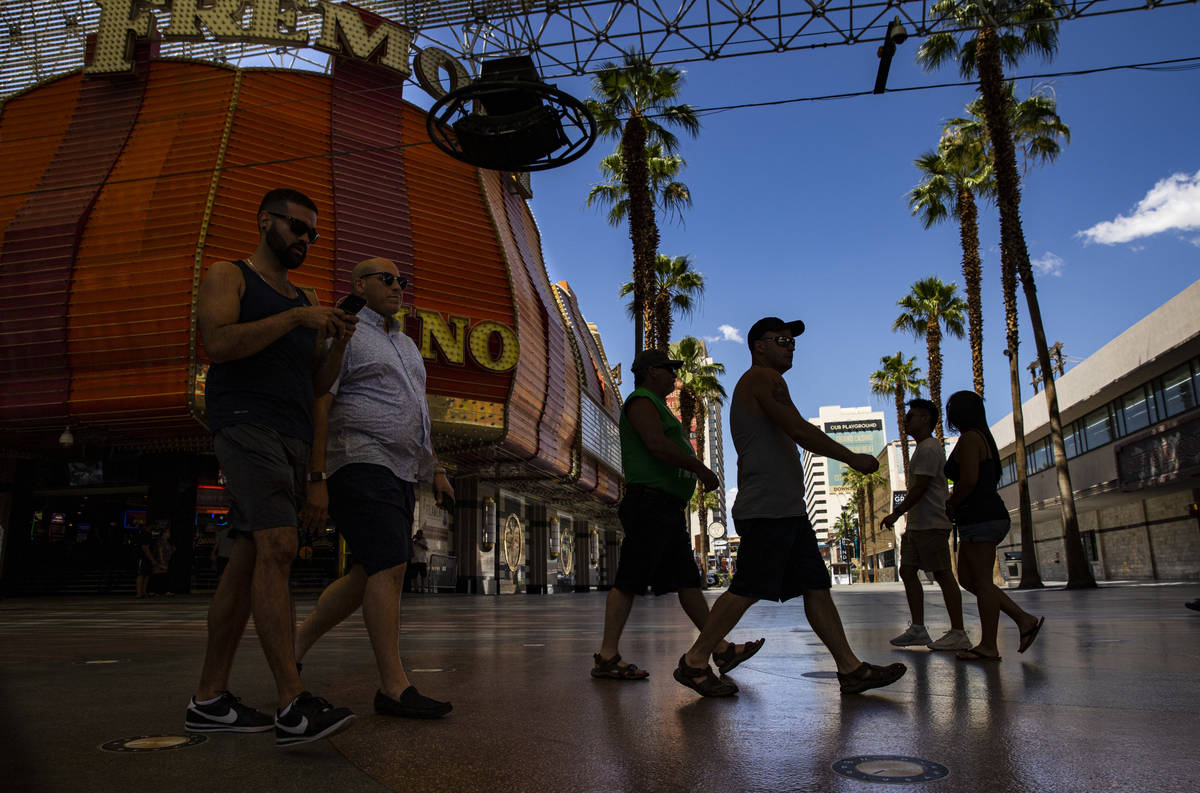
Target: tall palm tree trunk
x,y
902,428
643,231
972,269
1031,578
933,349
1012,245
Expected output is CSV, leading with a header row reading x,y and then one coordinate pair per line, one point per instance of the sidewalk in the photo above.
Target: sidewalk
x,y
1107,699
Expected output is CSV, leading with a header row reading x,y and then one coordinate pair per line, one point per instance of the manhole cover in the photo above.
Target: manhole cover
x,y
890,768
821,675
152,743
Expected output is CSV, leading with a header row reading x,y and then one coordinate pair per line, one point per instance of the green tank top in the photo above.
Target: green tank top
x,y
642,467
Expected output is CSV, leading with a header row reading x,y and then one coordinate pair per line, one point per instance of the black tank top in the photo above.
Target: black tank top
x,y
273,387
983,503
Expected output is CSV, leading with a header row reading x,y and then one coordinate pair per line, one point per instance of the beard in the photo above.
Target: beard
x,y
286,255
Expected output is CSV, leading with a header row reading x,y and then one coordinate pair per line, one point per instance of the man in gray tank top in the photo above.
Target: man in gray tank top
x,y
778,558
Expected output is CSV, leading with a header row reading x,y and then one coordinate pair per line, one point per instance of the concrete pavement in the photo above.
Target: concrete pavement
x,y
1107,699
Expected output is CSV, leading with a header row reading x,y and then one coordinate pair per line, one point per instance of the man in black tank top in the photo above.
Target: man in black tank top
x,y
778,558
267,343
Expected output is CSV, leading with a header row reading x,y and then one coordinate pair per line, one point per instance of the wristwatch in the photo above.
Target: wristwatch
x,y
317,476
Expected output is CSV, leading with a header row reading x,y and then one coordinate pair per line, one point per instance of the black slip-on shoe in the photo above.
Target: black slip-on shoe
x,y
411,705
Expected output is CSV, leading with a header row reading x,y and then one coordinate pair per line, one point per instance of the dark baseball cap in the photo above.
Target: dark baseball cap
x,y
649,358
767,324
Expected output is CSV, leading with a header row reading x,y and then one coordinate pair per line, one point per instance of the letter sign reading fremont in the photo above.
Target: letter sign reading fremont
x,y
343,32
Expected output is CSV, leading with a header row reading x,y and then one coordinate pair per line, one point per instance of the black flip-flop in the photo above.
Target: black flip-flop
x,y
974,655
1028,636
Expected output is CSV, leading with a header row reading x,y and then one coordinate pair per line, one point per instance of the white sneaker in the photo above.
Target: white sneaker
x,y
953,639
916,634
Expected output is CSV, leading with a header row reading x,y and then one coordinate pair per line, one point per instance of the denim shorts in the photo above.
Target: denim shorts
x,y
992,531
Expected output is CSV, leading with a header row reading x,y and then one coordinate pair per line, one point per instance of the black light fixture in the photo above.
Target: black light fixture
x,y
515,122
896,34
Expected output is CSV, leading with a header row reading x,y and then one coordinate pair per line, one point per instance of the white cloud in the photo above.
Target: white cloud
x,y
728,333
1172,204
1195,241
1048,264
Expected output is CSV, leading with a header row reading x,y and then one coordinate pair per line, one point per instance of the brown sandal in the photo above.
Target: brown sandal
x,y
728,661
709,685
611,669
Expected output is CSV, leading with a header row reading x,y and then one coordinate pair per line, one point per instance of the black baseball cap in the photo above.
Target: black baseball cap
x,y
649,358
767,324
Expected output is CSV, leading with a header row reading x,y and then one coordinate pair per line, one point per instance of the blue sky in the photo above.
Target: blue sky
x,y
800,210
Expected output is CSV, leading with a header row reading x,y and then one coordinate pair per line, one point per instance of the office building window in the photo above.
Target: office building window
x,y
1136,410
1097,428
1179,390
1008,470
1038,457
1071,440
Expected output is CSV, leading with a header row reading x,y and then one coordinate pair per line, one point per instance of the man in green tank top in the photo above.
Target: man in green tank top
x,y
661,470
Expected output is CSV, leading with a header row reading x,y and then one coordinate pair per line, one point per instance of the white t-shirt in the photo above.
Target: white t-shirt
x,y
929,459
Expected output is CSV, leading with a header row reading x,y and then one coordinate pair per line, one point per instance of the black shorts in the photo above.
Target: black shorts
x,y
778,559
373,510
656,551
264,475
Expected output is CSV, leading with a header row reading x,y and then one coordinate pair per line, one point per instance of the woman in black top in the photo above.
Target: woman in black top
x,y
982,520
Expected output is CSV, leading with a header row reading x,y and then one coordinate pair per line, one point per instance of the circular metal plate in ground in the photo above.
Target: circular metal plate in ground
x,y
821,675
152,743
890,768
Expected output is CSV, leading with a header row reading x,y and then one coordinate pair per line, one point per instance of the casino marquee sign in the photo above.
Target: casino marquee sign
x,y
274,22
122,188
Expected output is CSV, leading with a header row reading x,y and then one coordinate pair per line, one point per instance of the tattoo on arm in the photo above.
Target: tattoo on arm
x,y
779,393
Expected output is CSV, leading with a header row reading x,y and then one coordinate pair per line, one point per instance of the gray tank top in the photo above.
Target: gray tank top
x,y
770,471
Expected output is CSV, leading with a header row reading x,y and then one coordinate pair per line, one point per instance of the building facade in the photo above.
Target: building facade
x,y
1131,428
860,429
120,191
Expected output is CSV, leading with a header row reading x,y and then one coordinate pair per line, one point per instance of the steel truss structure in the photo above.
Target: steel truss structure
x,y
42,38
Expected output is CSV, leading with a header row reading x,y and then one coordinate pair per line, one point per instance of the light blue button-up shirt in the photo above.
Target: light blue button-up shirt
x,y
379,413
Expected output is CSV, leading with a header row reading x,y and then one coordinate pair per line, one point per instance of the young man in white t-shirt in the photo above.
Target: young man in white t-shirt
x,y
926,541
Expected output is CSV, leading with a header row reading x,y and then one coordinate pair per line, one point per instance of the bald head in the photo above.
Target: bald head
x,y
367,266
368,281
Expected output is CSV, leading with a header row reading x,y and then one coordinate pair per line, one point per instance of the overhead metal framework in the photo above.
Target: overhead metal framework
x,y
42,38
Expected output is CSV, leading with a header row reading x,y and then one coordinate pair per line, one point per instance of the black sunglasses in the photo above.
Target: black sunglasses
x,y
388,279
299,227
782,341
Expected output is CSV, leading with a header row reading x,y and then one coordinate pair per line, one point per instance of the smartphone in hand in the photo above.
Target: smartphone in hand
x,y
351,304
448,503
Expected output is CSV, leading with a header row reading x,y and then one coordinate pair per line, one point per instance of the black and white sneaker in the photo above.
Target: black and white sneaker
x,y
227,714
310,719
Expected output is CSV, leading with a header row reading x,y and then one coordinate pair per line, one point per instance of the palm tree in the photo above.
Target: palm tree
x,y
930,305
632,103
996,32
677,289
699,389
958,171
669,194
1036,128
863,486
898,379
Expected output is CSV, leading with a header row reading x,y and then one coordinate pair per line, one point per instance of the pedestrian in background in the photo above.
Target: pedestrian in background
x,y
983,521
926,542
